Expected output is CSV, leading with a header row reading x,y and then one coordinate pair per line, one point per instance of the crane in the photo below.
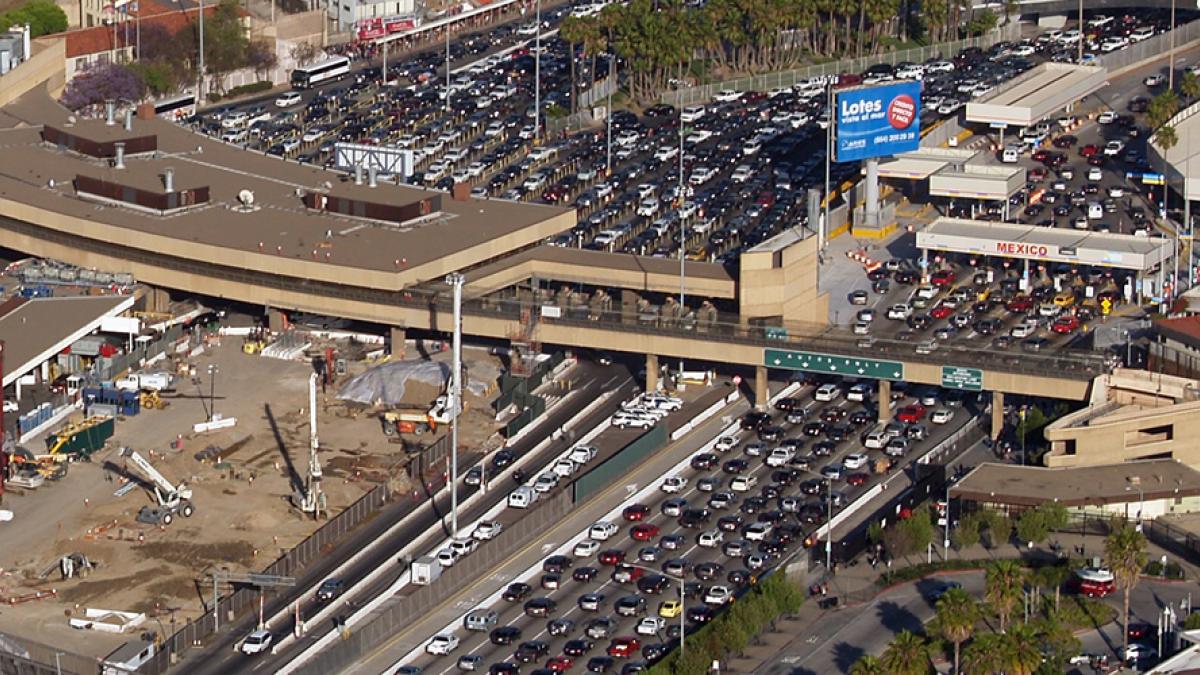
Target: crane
x,y
171,498
312,498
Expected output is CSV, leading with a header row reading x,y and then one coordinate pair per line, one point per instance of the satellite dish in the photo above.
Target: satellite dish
x,y
246,198
327,185
71,119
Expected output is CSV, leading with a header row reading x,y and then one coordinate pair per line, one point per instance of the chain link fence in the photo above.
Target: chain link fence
x,y
398,615
1148,49
787,78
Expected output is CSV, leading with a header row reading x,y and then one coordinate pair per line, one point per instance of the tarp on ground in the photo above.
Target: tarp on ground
x,y
386,383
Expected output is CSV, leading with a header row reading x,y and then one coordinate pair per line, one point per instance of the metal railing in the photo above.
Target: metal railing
x,y
787,78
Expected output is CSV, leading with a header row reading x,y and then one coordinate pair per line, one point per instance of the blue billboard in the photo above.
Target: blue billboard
x,y
877,121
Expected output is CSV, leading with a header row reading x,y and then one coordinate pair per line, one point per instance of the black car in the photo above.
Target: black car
x,y
517,591
503,459
505,635
707,571
585,574
330,589
704,460
557,564
736,466
755,420
533,650
770,433
655,651
653,584
560,627
729,523
540,607
789,404
701,614
815,428
600,664
694,518
578,647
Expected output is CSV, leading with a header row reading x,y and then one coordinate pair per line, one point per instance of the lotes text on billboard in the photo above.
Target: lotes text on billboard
x,y
877,121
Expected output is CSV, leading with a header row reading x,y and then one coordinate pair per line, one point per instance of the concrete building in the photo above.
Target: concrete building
x,y
1176,347
1133,414
358,15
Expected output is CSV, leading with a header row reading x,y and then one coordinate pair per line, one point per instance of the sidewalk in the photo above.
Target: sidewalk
x,y
855,587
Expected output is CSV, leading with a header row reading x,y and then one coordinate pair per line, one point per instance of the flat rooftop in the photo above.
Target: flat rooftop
x,y
34,330
1036,94
923,162
464,233
1184,159
1016,240
1078,486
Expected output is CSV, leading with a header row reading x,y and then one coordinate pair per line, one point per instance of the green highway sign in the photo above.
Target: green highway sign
x,y
954,377
850,366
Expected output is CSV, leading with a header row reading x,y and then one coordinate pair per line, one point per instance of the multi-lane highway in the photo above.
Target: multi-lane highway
x,y
734,517
402,528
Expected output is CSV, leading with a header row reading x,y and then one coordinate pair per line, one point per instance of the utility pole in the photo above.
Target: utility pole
x,y
447,65
537,77
456,281
200,70
1171,52
612,76
1080,31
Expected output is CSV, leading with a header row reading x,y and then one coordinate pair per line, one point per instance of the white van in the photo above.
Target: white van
x,y
1011,155
481,620
692,113
1143,33
1095,211
522,498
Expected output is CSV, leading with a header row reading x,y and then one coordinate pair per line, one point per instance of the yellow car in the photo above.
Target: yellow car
x,y
1064,299
670,609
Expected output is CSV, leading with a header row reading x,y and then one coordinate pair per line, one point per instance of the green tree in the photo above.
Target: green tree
x,y
1022,655
1192,622
1055,515
957,613
985,654
920,527
1189,85
984,21
907,654
966,533
226,44
43,16
868,665
1125,554
160,79
1054,576
1057,640
1031,526
1002,588
1162,108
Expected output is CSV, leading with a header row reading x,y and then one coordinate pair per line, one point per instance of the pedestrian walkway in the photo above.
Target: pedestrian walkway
x,y
854,586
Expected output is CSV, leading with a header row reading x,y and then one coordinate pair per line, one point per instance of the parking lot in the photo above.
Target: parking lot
x,y
716,526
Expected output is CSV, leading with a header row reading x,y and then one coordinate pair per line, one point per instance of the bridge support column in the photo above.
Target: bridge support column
x,y
762,388
885,398
158,300
276,321
997,414
652,372
629,306
396,340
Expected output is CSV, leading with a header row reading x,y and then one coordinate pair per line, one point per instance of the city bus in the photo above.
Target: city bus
x,y
1094,582
329,69
177,107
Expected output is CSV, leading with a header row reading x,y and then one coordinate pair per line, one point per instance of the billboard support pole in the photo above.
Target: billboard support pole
x,y
828,158
871,208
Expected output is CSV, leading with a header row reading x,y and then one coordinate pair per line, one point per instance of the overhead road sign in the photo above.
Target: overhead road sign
x,y
833,364
877,121
970,379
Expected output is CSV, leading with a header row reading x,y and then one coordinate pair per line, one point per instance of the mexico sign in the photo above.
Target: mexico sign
x,y
877,121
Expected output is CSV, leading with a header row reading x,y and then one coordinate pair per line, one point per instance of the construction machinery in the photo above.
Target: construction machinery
x,y
171,498
416,421
79,441
151,400
312,499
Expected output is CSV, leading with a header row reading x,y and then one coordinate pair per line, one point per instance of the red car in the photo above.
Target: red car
x,y
560,664
941,311
636,513
623,647
612,556
1020,304
627,574
644,531
1065,325
911,413
943,278
857,479
1089,150
1040,155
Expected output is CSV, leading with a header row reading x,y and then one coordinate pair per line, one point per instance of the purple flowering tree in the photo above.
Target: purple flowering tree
x,y
102,82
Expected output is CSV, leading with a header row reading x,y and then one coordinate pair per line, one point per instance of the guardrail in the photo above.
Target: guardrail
x,y
1152,48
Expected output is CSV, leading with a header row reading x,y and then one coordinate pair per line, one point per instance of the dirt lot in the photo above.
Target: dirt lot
x,y
243,515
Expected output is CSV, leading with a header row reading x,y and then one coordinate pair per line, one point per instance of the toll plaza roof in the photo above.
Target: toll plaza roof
x,y
34,330
1037,94
1078,486
923,163
1014,240
977,181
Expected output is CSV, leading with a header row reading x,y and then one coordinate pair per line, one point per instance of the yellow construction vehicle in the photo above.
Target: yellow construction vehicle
x,y
151,400
253,347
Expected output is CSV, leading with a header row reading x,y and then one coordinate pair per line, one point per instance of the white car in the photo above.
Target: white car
x,y
727,95
876,440
742,174
757,531
1155,80
442,644
827,392
257,642
651,625
660,402
666,152
1095,173
779,457
487,529
626,420
1023,329
602,530
447,557
648,208
674,484
1139,652
1113,148
1107,117
564,467
710,538
941,416
718,595
859,392
743,483
900,312
546,482
856,460
726,443
286,99
582,454
586,548
927,292
939,67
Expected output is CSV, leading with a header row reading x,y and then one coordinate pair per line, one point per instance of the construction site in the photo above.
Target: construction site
x,y
209,462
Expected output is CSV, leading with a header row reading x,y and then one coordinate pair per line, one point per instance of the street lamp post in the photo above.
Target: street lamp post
x,y
682,601
612,76
537,76
455,280
1141,504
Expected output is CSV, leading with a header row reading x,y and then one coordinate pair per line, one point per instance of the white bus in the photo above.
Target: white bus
x,y
329,69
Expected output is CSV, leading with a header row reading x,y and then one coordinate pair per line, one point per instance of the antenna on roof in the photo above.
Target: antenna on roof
x,y
245,201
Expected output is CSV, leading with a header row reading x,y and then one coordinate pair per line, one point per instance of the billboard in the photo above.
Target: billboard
x,y
877,121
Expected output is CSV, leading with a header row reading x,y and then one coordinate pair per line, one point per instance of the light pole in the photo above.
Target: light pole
x,y
1141,504
832,115
212,389
1080,31
1171,51
455,280
682,601
612,76
447,67
537,76
200,71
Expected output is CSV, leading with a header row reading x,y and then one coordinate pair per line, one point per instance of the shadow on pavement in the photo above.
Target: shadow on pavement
x,y
896,618
845,655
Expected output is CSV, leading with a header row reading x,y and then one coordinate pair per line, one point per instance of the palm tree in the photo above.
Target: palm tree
x,y
1125,554
1022,656
957,613
1003,588
908,654
868,665
1054,576
1189,85
985,655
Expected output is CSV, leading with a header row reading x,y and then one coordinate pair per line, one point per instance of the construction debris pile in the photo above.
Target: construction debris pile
x,y
385,384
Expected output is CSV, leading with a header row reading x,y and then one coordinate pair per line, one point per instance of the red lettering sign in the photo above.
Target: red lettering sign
x,y
1019,249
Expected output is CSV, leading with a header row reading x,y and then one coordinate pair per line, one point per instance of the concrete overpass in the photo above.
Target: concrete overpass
x,y
1071,7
